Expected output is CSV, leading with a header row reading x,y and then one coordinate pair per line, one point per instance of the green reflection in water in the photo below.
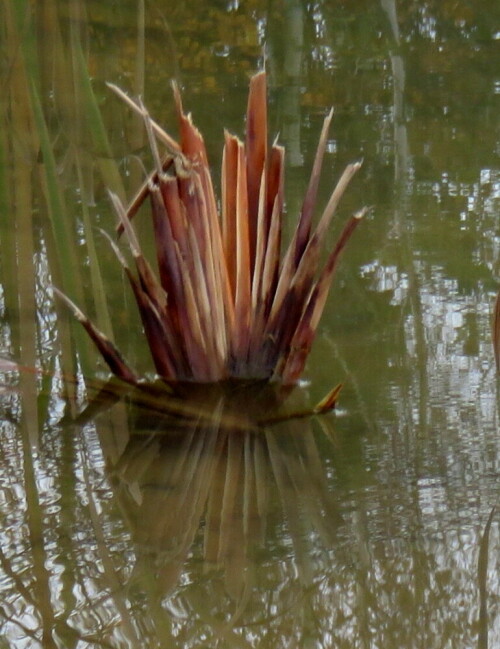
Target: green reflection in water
x,y
367,539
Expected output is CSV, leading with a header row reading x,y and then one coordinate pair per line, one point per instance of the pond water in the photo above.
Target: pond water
x,y
373,527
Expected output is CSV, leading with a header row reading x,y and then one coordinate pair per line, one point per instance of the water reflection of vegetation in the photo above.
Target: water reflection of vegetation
x,y
209,474
173,528
227,472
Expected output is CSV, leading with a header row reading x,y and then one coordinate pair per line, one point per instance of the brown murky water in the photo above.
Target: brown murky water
x,y
139,526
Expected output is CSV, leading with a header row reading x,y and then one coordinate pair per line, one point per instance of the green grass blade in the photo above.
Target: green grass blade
x,y
64,242
106,163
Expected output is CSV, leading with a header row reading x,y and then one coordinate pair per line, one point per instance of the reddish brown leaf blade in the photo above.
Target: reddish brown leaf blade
x,y
303,337
206,308
174,277
284,326
281,325
256,152
304,227
302,283
214,268
150,284
192,144
267,264
229,189
148,279
189,317
106,348
258,315
326,277
169,222
272,258
308,263
302,278
243,283
275,183
167,357
191,201
218,259
157,324
170,273
292,366
496,332
337,194
261,245
210,211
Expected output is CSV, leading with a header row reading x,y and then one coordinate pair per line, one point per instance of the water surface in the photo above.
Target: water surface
x,y
364,529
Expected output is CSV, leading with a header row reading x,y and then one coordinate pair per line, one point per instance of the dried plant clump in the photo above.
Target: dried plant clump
x,y
224,304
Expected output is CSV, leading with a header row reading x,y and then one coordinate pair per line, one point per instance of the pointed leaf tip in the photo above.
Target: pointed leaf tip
x,y
106,348
329,401
362,212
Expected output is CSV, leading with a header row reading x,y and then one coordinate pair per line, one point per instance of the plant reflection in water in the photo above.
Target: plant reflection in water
x,y
158,527
146,522
219,468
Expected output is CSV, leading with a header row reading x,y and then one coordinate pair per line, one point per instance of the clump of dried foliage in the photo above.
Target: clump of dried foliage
x,y
224,302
